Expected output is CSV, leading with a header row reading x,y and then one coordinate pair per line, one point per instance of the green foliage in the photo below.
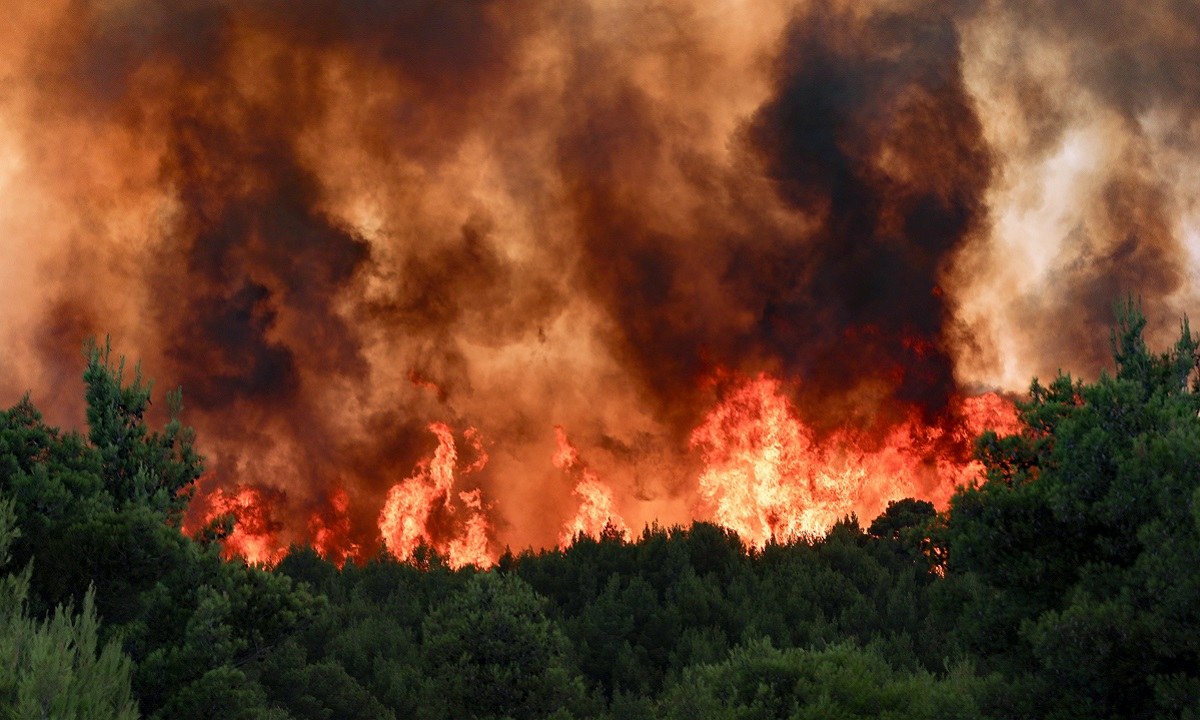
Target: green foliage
x,y
841,681
1066,576
1077,556
220,692
492,653
56,668
103,513
319,690
154,469
902,518
53,479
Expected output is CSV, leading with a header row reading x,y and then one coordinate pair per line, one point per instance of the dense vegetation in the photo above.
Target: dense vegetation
x,y
1065,585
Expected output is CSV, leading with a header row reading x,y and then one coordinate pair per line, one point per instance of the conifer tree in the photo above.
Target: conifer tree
x,y
57,667
143,467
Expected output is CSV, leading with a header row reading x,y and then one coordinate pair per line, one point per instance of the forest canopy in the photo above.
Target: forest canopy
x,y
1061,584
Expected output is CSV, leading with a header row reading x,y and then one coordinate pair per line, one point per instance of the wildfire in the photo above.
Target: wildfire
x,y
330,535
420,510
766,476
254,535
596,513
839,194
989,411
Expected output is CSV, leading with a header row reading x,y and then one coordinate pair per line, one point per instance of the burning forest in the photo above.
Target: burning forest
x,y
469,276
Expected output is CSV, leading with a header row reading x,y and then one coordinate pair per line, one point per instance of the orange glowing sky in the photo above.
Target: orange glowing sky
x,y
597,226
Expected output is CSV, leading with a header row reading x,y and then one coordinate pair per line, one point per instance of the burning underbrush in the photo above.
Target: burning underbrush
x,y
766,474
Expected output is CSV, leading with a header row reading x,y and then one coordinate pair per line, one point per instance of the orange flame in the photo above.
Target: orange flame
x,y
766,477
596,513
472,545
989,411
254,535
330,536
425,499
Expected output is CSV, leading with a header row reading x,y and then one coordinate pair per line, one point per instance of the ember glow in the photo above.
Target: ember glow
x,y
596,512
764,263
426,510
330,536
254,535
767,476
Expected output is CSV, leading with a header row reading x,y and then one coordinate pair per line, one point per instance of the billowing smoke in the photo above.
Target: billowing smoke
x,y
1092,110
338,224
869,170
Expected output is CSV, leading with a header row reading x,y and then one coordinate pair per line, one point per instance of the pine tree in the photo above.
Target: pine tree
x,y
56,668
154,469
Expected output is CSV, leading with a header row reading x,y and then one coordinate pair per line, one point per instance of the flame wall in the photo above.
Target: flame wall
x,y
335,223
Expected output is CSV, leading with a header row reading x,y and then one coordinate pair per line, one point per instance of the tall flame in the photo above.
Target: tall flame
x,y
416,506
533,218
766,474
255,534
597,514
767,477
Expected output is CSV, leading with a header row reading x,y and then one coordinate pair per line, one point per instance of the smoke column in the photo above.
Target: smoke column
x,y
339,224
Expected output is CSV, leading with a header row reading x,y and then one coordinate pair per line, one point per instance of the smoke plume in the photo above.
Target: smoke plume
x,y
339,224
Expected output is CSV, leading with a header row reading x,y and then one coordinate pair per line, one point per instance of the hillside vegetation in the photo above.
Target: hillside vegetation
x,y
1063,585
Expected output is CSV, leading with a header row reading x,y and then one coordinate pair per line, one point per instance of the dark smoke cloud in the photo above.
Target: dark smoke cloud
x,y
464,281
881,141
252,246
1136,63
870,136
252,282
1137,56
337,222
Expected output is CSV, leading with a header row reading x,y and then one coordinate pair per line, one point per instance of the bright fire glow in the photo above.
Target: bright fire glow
x,y
596,508
765,475
420,510
254,535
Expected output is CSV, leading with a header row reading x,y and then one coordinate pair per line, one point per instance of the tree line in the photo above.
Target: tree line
x,y
1063,584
